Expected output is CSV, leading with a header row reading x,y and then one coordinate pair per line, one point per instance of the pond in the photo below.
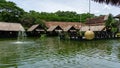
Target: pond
x,y
52,52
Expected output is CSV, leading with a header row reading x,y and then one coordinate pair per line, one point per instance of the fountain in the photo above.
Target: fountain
x,y
21,37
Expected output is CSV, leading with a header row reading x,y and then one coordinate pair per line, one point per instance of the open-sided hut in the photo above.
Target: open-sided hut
x,y
36,30
54,30
10,29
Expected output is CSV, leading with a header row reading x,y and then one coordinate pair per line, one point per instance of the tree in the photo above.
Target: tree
x,y
40,22
65,16
114,25
85,16
109,20
9,12
30,18
111,25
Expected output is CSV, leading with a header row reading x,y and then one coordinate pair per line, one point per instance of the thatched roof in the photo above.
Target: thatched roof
x,y
77,25
93,28
33,27
52,28
4,26
68,28
112,2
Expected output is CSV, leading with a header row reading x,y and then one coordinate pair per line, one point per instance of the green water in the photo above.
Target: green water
x,y
55,53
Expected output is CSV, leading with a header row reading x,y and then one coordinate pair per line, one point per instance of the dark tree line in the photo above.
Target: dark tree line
x,y
10,12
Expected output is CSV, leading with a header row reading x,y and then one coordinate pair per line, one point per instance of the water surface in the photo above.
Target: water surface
x,y
55,53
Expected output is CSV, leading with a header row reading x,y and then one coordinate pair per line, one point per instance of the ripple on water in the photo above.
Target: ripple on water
x,y
51,53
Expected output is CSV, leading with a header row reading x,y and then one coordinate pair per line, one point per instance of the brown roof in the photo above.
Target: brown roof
x,y
33,27
77,25
68,28
97,21
51,28
4,26
93,28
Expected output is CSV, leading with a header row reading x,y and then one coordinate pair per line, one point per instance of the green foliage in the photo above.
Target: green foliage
x,y
109,20
43,37
112,23
32,18
9,12
114,29
114,26
65,16
85,16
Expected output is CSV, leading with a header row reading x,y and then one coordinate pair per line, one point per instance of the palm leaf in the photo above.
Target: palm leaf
x,y
112,2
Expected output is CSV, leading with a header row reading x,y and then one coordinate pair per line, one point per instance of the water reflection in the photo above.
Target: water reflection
x,y
22,42
56,53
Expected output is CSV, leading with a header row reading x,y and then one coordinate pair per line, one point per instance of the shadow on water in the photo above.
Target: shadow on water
x,y
54,53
